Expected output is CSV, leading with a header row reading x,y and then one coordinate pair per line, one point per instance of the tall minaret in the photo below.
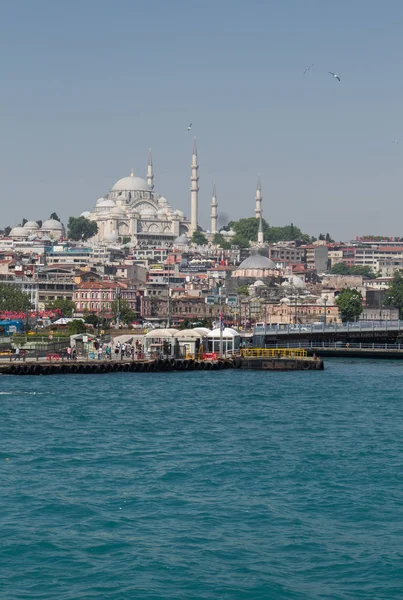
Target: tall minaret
x,y
194,189
258,199
260,236
150,172
214,211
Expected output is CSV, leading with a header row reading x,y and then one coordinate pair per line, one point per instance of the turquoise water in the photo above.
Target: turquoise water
x,y
204,485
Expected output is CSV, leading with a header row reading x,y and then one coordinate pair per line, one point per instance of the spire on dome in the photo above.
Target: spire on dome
x,y
132,173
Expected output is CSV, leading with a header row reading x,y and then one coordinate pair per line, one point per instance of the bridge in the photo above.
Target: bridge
x,y
348,332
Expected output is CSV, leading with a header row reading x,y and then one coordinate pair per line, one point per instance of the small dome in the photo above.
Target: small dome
x,y
100,200
259,283
52,224
182,239
106,203
131,184
294,281
163,201
18,232
162,212
111,237
179,213
117,210
31,225
258,262
85,214
285,300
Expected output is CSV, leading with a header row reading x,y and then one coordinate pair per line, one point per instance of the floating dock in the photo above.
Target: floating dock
x,y
255,358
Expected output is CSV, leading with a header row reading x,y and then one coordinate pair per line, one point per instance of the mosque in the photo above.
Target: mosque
x,y
132,209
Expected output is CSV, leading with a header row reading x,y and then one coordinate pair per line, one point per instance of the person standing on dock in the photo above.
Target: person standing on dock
x,y
68,351
17,353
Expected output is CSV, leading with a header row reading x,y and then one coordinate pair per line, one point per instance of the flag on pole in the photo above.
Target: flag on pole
x,y
222,324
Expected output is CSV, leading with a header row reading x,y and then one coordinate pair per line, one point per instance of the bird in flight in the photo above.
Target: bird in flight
x,y
334,75
190,127
307,69
396,141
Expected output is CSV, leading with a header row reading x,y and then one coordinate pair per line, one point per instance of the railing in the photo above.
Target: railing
x,y
328,344
273,353
280,329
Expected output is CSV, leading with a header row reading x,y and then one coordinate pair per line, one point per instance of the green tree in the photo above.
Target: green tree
x,y
13,299
5,230
24,220
76,326
66,306
246,231
54,216
39,222
126,314
349,302
243,290
126,239
199,238
340,269
91,319
219,240
80,228
394,295
343,269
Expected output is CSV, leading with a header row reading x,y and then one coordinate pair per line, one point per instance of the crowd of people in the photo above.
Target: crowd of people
x,y
103,351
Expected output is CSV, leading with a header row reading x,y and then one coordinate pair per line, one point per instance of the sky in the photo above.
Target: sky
x,y
87,87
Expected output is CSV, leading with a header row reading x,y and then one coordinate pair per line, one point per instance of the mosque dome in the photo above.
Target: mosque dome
x,y
85,214
182,240
100,200
31,225
294,281
179,213
259,283
18,232
163,201
162,212
106,203
258,262
285,300
117,210
52,225
111,237
131,184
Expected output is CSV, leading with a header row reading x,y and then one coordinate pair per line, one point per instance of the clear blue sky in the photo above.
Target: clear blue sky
x,y
87,87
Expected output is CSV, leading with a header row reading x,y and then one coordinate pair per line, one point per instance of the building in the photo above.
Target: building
x,y
133,212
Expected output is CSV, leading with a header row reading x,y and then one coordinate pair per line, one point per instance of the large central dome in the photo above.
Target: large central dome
x,y
131,184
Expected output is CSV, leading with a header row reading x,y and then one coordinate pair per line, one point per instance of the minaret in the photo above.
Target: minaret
x,y
194,189
150,172
260,236
214,211
258,199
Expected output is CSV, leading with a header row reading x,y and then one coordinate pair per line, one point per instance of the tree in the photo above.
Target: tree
x,y
343,269
66,306
80,228
243,290
91,319
5,231
219,240
126,314
13,299
23,222
54,216
76,326
394,295
126,239
246,231
39,222
340,269
349,302
199,238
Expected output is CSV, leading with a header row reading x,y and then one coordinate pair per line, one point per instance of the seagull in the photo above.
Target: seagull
x,y
396,141
307,69
190,127
334,75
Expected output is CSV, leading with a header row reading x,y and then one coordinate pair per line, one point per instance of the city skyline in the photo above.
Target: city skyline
x,y
87,90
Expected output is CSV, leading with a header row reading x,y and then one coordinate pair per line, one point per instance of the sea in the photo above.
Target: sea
x,y
203,485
